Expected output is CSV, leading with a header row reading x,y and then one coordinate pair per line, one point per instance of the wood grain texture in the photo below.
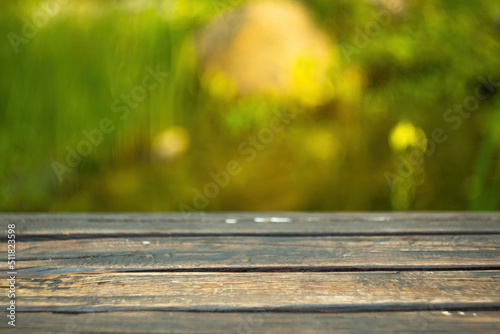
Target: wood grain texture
x,y
84,225
294,273
472,251
464,322
294,291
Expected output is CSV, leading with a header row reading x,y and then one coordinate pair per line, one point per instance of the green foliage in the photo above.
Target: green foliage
x,y
331,156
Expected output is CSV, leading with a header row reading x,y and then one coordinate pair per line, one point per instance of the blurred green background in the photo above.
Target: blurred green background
x,y
367,86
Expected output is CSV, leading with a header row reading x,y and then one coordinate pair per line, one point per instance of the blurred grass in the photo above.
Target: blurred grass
x,y
332,156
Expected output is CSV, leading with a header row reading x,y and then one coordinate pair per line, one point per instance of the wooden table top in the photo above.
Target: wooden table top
x,y
254,273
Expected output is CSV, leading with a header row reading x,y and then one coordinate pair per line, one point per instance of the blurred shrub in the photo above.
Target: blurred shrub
x,y
364,83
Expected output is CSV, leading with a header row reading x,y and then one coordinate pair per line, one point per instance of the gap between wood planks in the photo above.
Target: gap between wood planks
x,y
37,271
38,237
252,322
307,309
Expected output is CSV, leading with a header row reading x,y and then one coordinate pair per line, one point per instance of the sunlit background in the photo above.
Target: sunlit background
x,y
209,105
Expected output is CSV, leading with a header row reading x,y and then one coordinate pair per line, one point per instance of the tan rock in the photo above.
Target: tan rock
x,y
267,47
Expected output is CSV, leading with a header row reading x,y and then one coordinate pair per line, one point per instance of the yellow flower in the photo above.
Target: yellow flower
x,y
405,135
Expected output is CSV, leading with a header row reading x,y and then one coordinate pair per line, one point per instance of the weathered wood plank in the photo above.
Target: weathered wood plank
x,y
465,322
463,251
88,263
299,292
77,225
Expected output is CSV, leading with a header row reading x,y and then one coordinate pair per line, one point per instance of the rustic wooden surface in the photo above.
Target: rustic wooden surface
x,y
256,273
